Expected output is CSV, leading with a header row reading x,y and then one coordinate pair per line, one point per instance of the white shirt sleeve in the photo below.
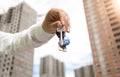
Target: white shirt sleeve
x,y
33,37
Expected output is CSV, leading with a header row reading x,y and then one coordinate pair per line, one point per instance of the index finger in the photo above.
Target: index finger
x,y
65,22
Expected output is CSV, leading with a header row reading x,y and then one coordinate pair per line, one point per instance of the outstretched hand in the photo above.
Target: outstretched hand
x,y
56,18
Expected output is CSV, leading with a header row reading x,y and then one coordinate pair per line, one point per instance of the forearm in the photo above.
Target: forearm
x,y
33,37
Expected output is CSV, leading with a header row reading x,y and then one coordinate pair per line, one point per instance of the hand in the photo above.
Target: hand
x,y
56,18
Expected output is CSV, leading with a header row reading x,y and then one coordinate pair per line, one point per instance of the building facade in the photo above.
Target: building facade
x,y
15,20
51,67
103,21
86,71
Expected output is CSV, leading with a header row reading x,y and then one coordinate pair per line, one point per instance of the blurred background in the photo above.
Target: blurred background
x,y
78,52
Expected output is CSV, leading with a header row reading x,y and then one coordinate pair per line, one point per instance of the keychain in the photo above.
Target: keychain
x,y
63,40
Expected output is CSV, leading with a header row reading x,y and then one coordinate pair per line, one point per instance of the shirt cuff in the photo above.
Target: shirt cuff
x,y
39,35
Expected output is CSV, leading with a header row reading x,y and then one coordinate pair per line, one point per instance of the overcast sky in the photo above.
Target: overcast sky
x,y
78,52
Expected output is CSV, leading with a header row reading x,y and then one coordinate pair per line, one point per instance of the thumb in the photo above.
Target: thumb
x,y
56,24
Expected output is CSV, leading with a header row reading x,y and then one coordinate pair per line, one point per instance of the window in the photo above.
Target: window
x,y
106,1
44,65
99,72
0,18
107,5
114,23
117,34
112,13
13,57
119,52
113,18
117,28
118,46
4,65
5,55
98,65
11,68
10,73
9,16
110,9
7,68
115,61
108,70
57,67
117,68
117,40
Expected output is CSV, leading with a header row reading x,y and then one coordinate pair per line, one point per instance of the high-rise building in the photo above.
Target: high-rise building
x,y
51,67
86,71
103,21
17,19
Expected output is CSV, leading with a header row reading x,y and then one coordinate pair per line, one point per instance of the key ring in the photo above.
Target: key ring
x,y
63,39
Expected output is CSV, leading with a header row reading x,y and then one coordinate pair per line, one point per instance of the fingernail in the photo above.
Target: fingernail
x,y
68,30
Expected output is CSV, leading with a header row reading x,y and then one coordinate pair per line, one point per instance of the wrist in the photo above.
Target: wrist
x,y
48,30
45,29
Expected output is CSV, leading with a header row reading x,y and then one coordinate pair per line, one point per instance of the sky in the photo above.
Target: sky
x,y
79,51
